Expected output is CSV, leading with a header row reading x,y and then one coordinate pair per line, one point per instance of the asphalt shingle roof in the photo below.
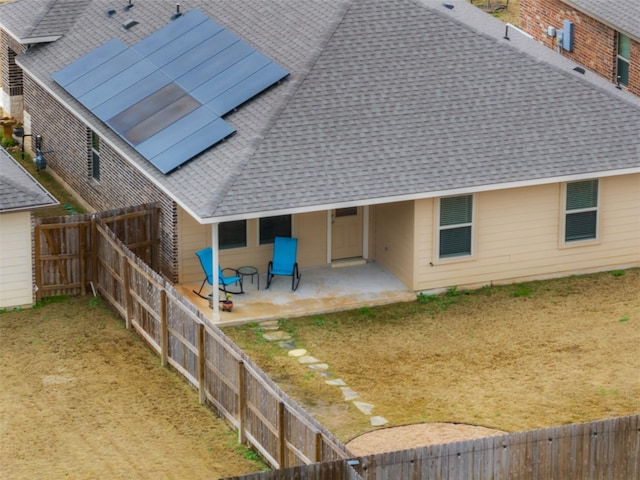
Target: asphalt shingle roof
x,y
18,189
385,100
35,20
623,15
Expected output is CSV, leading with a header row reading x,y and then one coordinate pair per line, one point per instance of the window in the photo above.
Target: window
x,y
95,157
272,227
622,67
581,212
456,215
232,234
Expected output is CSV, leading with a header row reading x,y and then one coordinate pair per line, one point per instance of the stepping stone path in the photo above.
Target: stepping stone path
x,y
273,333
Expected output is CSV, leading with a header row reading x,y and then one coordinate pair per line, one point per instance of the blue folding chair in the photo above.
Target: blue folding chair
x,y
284,261
206,260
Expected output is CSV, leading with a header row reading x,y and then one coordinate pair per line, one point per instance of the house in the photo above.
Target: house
x,y
20,195
420,135
601,36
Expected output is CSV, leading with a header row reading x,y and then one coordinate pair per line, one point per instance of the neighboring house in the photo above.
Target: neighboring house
x,y
20,194
606,35
406,133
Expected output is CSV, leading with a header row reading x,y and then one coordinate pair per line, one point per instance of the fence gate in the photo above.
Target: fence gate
x,y
65,249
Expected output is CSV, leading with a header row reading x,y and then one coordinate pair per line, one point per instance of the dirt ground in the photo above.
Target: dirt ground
x,y
83,398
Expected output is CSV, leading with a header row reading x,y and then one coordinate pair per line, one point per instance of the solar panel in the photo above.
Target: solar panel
x,y
166,94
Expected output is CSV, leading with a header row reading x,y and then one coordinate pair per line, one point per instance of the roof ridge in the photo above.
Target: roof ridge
x,y
255,142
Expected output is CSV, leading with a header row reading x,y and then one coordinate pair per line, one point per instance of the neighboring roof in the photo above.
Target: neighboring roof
x,y
18,189
385,101
36,21
621,15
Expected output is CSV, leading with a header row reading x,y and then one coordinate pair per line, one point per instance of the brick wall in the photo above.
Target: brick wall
x,y
120,184
594,42
12,82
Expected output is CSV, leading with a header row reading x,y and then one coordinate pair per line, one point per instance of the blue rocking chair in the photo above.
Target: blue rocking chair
x,y
206,261
284,261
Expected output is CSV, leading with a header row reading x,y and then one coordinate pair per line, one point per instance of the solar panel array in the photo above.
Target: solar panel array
x,y
166,94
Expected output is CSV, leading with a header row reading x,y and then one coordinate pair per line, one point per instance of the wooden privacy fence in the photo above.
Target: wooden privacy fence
x,y
85,250
608,449
73,253
64,246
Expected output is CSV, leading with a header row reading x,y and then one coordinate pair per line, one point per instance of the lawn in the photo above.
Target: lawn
x,y
84,398
511,358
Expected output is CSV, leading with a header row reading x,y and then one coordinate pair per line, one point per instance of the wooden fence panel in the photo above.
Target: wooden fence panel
x,y
338,470
62,252
109,269
182,338
222,377
261,416
147,303
607,449
64,247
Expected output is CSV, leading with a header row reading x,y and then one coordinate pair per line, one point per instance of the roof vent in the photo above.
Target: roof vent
x,y
579,70
128,7
129,24
111,12
177,14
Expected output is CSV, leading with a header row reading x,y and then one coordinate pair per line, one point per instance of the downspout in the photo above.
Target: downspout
x,y
216,278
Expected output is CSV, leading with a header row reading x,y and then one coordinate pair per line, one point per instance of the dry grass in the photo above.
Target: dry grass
x,y
84,398
511,358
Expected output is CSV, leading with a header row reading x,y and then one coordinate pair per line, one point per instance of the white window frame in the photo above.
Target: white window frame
x,y
439,228
620,58
566,212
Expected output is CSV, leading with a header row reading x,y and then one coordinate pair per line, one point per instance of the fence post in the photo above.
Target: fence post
x,y
94,250
124,271
318,442
241,402
201,364
164,330
38,263
282,436
83,261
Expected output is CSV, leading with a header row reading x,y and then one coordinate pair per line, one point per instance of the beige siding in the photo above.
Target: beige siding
x,y
309,228
16,268
518,236
394,242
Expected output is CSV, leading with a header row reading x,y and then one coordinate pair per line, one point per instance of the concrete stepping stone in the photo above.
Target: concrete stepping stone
x,y
318,367
270,325
287,345
364,407
349,393
307,359
378,421
338,382
325,374
277,335
298,352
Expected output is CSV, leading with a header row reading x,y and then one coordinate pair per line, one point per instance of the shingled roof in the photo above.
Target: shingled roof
x,y
622,15
39,21
18,189
385,101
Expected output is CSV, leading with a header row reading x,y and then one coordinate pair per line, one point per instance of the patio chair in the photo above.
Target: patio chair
x,y
284,261
206,261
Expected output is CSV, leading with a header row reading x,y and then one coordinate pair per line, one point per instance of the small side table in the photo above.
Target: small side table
x,y
249,271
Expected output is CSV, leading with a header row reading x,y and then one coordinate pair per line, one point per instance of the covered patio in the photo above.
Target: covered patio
x,y
321,290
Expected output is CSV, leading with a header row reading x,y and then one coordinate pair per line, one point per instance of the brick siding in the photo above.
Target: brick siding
x,y
594,43
120,184
12,82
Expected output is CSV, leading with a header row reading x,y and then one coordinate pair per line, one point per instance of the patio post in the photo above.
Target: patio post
x,y
216,262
